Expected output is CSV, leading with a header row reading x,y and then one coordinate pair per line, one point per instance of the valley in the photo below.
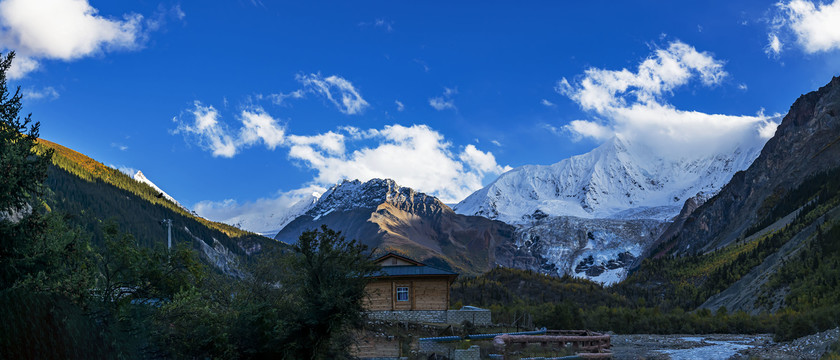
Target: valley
x,y
419,180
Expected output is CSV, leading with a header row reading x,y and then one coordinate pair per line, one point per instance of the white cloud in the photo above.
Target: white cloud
x,y
742,86
554,130
203,124
440,104
774,45
547,103
400,106
62,29
481,161
384,24
47,93
496,142
631,104
337,90
280,98
176,10
206,128
120,146
812,25
258,125
130,171
415,156
583,128
444,102
163,14
659,74
263,215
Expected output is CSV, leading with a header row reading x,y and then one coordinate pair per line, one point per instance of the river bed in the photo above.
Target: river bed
x,y
719,346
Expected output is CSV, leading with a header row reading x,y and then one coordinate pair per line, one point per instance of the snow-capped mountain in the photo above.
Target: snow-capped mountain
x,y
350,195
595,215
383,215
618,180
143,179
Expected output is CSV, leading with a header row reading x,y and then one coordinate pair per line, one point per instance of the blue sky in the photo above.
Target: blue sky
x,y
240,108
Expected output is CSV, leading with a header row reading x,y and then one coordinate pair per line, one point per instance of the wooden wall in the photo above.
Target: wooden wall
x,y
424,294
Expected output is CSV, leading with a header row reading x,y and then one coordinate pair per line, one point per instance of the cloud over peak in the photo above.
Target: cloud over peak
x,y
632,104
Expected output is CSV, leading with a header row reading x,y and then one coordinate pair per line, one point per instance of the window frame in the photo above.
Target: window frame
x,y
407,292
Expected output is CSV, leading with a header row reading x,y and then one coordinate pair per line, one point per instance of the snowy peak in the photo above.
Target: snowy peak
x,y
143,179
354,194
616,179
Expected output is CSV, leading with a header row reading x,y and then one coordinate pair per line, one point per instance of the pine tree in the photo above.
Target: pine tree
x,y
22,173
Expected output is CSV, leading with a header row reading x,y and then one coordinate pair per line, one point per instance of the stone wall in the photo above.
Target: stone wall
x,y
477,317
428,316
473,353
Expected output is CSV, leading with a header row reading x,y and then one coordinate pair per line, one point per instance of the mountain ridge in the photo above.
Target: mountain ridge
x,y
389,217
811,130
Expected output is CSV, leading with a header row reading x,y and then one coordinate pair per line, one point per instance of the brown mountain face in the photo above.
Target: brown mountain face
x,y
385,216
807,142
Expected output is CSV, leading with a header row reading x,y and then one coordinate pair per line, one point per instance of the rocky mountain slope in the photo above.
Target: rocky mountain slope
x,y
388,217
769,241
806,142
601,250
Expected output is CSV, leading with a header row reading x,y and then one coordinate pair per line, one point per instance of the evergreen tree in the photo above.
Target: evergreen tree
x,y
22,173
330,274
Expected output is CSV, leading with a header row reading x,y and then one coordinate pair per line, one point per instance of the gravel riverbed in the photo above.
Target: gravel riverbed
x,y
720,346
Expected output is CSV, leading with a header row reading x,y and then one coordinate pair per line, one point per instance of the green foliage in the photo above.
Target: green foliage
x,y
687,281
21,175
819,188
43,325
23,171
136,205
833,352
330,274
299,304
811,279
95,172
523,298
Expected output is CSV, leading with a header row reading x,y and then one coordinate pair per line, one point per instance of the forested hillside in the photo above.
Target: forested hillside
x,y
90,192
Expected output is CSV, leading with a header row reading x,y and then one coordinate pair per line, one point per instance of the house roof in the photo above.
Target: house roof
x,y
412,270
398,256
416,269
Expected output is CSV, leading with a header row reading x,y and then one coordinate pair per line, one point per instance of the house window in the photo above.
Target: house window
x,y
402,293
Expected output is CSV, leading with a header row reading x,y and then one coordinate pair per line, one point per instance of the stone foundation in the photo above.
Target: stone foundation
x,y
477,317
428,316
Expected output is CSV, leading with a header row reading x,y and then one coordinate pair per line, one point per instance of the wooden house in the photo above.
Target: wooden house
x,y
404,284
